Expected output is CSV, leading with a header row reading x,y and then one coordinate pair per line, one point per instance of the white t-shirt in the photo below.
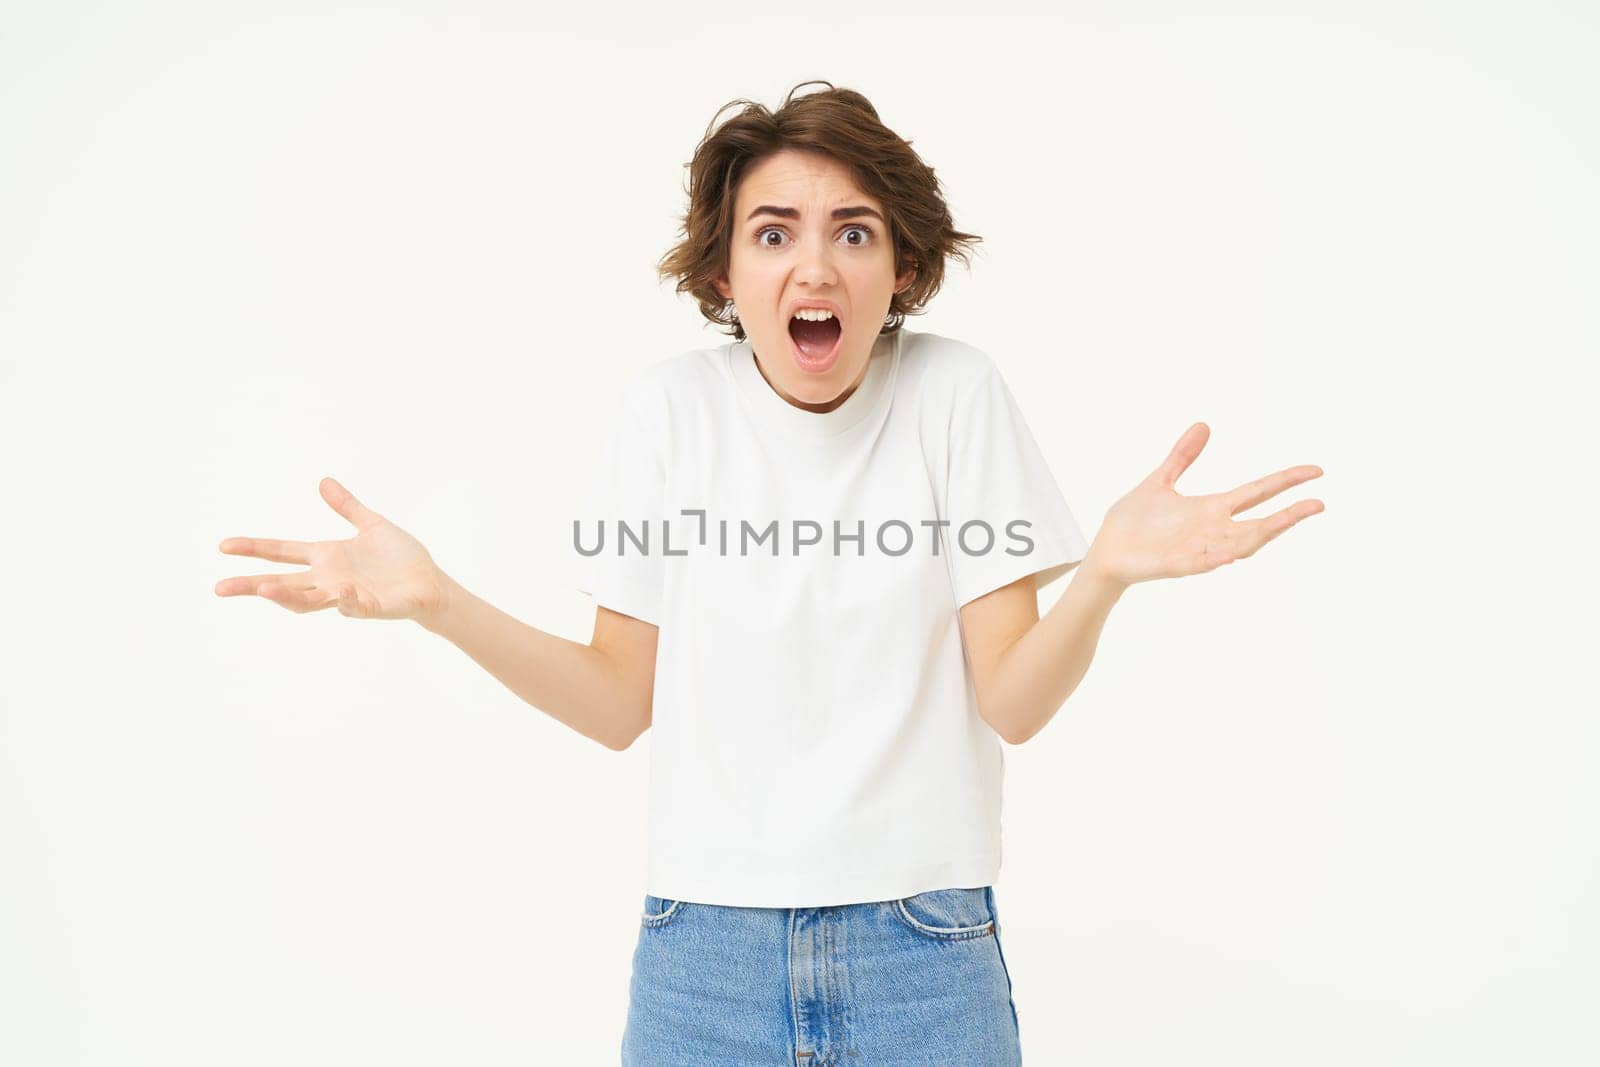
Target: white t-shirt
x,y
815,735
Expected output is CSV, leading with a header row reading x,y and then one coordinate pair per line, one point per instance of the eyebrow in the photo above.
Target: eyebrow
x,y
794,213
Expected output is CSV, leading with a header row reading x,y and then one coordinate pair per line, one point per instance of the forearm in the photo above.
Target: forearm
x,y
574,683
1036,674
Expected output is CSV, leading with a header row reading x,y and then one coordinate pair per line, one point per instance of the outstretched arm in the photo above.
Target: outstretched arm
x,y
602,690
1024,667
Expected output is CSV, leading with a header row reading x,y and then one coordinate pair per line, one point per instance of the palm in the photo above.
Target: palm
x,y
1155,532
380,573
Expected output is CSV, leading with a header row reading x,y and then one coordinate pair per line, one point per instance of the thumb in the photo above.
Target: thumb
x,y
344,502
1182,455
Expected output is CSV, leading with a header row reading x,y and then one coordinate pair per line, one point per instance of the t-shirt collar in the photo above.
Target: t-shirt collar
x,y
778,412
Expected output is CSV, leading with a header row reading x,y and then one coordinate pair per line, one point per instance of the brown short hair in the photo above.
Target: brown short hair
x,y
839,123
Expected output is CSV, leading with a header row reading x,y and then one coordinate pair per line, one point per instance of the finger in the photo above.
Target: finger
x,y
1256,532
351,604
247,584
1249,495
1182,455
344,502
311,598
267,548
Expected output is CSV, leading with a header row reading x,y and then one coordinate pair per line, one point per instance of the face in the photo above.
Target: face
x,y
804,234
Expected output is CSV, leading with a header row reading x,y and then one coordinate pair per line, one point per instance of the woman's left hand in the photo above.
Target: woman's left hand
x,y
1155,532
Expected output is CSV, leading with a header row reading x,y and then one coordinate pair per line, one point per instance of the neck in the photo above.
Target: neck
x,y
819,408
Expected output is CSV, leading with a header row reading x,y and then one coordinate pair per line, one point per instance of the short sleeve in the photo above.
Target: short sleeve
x,y
998,478
623,573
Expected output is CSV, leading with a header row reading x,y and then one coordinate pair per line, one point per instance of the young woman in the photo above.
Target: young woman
x,y
820,595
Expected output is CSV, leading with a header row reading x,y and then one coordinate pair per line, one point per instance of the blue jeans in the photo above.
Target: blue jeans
x,y
919,980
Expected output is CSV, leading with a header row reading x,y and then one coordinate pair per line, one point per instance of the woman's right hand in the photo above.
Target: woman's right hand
x,y
380,573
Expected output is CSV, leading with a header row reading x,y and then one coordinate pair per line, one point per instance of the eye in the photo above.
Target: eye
x,y
866,236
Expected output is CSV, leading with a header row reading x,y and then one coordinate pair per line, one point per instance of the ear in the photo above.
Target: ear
x,y
905,280
908,277
723,288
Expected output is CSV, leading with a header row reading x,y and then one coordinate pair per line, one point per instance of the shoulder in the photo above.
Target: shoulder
x,y
947,357
687,377
944,371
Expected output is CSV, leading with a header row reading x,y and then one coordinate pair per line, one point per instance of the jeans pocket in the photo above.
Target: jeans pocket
x,y
947,914
658,911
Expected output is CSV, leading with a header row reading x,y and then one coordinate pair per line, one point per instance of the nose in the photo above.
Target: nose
x,y
815,266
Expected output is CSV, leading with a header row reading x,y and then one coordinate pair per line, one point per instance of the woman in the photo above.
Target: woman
x,y
838,622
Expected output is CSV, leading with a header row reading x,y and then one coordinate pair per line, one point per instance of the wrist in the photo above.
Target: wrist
x,y
1093,574
447,606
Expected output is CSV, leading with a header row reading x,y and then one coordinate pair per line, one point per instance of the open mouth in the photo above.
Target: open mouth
x,y
816,337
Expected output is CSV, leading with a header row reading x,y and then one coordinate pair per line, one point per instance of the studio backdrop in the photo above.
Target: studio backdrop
x,y
1330,805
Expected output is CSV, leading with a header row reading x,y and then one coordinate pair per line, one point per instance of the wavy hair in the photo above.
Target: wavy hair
x,y
835,122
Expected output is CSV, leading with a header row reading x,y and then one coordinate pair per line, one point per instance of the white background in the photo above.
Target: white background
x,y
1333,804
